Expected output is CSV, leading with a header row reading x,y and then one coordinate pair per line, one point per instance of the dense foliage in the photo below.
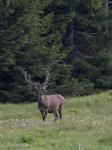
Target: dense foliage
x,y
72,39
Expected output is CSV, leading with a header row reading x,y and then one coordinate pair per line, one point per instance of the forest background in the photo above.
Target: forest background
x,y
70,38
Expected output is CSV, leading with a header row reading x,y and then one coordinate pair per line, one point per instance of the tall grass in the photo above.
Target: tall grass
x,y
87,120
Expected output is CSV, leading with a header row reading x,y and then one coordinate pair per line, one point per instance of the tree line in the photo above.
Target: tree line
x,y
72,39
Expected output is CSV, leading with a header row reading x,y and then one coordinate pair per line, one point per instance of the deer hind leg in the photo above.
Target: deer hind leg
x,y
56,114
60,112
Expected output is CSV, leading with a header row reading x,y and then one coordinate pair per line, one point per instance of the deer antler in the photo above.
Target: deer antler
x,y
47,78
28,78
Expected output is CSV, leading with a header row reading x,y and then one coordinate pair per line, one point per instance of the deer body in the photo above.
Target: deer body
x,y
47,103
51,104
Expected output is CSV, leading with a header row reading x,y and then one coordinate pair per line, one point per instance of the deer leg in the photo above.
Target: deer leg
x,y
42,114
56,115
45,114
60,113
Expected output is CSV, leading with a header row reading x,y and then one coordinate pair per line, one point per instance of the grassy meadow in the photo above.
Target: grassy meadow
x,y
86,125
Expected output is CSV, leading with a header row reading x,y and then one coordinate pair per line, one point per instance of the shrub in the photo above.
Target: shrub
x,y
76,88
26,139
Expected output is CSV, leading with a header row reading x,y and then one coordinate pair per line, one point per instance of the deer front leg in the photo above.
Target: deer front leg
x,y
43,114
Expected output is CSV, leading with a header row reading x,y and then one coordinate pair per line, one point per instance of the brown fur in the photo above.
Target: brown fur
x,y
51,104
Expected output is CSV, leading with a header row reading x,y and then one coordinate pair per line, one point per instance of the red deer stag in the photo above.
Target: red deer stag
x,y
46,103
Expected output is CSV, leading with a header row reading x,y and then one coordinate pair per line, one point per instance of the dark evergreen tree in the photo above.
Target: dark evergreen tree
x,y
71,38
27,42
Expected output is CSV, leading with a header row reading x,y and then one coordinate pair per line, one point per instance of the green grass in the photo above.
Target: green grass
x,y
87,120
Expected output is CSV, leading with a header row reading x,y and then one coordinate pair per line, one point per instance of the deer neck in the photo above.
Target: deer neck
x,y
40,96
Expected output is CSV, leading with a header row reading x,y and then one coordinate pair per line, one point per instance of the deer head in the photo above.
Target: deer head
x,y
39,87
